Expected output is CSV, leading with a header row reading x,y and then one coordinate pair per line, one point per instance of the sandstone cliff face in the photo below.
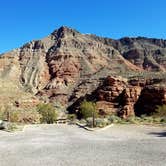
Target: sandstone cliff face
x,y
125,97
68,65
114,95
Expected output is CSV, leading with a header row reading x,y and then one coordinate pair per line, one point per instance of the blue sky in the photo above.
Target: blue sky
x,y
25,20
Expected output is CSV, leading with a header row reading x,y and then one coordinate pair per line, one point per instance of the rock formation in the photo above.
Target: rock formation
x,y
125,97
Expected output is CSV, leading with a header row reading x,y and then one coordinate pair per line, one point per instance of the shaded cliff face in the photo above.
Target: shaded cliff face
x,y
150,97
146,53
68,65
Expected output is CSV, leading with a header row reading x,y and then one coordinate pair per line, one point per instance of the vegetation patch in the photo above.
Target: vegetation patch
x,y
47,112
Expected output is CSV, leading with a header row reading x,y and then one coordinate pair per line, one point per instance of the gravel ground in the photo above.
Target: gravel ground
x,y
65,145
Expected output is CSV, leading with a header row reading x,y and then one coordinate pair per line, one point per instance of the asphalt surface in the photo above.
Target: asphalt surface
x,y
65,145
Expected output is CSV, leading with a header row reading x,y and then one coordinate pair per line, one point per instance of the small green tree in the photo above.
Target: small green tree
x,y
48,113
88,109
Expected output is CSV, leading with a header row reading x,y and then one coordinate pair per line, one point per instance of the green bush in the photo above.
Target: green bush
x,y
114,119
133,120
160,111
147,119
102,122
48,113
157,119
99,122
88,109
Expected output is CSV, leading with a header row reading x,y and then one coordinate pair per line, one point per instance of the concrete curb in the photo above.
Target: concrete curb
x,y
94,129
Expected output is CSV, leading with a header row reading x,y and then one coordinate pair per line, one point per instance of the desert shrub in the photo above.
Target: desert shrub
x,y
99,122
16,116
147,119
157,119
25,116
134,120
48,113
163,120
114,119
88,109
159,116
89,122
138,119
102,122
4,112
20,116
160,111
11,127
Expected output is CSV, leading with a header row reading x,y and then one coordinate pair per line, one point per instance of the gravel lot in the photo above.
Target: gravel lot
x,y
65,145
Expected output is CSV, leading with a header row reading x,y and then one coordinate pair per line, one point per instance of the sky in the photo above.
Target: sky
x,y
24,20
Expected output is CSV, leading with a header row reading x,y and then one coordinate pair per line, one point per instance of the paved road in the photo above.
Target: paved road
x,y
63,145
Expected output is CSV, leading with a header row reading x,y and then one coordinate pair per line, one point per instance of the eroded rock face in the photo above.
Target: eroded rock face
x,y
148,54
117,96
125,97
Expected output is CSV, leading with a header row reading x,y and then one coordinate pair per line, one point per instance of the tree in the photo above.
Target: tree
x,y
48,113
88,109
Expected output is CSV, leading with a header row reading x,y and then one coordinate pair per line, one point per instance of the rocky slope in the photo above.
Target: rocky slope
x,y
67,66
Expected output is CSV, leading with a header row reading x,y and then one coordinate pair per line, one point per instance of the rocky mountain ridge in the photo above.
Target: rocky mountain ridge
x,y
68,65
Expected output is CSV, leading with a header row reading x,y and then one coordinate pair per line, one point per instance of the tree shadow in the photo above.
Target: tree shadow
x,y
159,134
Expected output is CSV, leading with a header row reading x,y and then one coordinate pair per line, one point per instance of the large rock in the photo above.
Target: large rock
x,y
3,125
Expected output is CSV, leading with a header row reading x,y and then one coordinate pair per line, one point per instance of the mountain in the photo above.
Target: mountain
x,y
67,65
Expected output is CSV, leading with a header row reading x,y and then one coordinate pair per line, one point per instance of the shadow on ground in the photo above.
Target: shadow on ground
x,y
159,134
